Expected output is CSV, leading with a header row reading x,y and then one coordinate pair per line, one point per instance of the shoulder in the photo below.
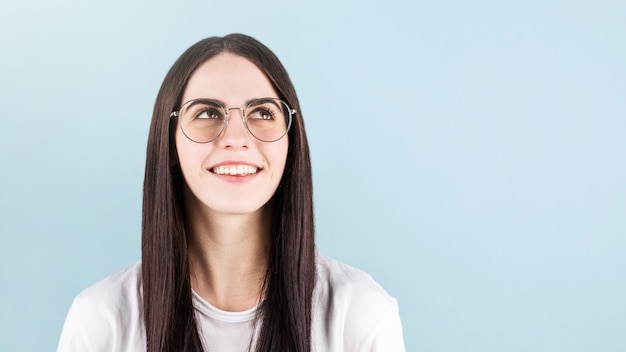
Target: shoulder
x,y
345,281
114,289
117,293
105,315
354,309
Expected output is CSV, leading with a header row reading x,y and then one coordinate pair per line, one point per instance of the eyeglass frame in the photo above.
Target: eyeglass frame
x,y
244,118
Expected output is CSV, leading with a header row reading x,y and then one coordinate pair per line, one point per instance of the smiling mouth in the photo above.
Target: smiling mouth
x,y
234,170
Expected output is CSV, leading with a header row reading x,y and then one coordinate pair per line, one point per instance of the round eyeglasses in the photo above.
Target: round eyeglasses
x,y
203,120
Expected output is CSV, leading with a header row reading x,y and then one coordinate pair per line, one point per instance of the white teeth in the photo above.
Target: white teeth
x,y
235,170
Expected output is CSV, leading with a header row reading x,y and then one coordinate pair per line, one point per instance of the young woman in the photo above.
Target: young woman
x,y
228,253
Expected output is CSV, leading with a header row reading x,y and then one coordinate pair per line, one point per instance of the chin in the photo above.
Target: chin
x,y
239,208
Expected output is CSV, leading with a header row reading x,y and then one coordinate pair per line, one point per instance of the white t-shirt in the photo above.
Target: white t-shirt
x,y
351,313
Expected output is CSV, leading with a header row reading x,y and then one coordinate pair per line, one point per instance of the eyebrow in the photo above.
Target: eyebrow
x,y
222,103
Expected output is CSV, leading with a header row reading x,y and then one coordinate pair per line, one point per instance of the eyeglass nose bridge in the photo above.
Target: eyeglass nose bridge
x,y
227,120
242,110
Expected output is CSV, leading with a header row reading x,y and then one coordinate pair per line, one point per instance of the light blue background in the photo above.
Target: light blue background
x,y
469,155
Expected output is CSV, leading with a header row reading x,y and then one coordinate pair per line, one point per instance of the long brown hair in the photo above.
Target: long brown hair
x,y
285,313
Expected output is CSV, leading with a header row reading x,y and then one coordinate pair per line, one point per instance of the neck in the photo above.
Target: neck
x,y
228,257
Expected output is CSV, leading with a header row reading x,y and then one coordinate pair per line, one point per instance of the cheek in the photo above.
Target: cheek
x,y
278,156
189,156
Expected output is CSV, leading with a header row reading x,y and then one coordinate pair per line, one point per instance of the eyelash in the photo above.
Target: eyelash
x,y
263,112
210,112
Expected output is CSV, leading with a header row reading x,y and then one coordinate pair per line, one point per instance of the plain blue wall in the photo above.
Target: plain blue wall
x,y
469,155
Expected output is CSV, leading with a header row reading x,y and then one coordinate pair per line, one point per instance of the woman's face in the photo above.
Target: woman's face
x,y
235,173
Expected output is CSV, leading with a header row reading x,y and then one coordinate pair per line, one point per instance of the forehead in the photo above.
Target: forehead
x,y
230,78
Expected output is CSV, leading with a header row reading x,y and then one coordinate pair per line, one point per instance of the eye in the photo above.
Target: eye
x,y
209,113
261,114
266,111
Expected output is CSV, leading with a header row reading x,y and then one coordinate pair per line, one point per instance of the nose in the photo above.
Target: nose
x,y
235,134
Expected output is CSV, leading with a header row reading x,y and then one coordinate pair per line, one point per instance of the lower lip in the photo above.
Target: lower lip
x,y
235,178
